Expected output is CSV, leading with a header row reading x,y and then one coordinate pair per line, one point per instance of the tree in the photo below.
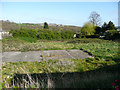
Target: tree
x,y
95,18
98,30
104,27
88,29
111,26
46,25
112,34
109,30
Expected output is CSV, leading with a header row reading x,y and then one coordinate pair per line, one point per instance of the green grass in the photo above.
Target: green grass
x,y
72,65
21,39
102,49
55,66
105,53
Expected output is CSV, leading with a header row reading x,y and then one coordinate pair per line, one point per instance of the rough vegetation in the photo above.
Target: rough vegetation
x,y
106,61
91,72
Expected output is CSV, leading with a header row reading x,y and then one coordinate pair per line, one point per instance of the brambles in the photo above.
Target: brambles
x,y
24,32
44,34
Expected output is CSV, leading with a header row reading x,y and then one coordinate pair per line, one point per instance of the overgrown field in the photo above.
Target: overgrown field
x,y
100,49
64,66
105,63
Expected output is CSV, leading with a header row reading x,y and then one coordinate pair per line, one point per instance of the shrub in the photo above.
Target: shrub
x,y
23,32
98,29
46,25
88,29
93,36
43,34
48,34
55,35
67,34
112,34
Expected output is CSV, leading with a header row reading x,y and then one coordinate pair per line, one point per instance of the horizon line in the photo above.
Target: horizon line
x,y
47,22
41,23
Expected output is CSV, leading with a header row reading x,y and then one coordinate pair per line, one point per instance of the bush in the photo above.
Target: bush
x,y
46,25
93,36
67,34
98,30
42,34
112,34
88,29
48,34
55,35
23,32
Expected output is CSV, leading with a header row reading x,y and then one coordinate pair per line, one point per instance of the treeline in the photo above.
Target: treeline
x,y
109,31
45,34
46,31
106,31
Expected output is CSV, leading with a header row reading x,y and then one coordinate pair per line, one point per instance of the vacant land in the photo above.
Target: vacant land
x,y
32,56
100,49
106,56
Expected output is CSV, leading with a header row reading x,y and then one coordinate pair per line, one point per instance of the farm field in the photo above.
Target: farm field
x,y
105,62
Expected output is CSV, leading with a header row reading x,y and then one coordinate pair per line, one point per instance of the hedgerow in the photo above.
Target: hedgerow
x,y
43,34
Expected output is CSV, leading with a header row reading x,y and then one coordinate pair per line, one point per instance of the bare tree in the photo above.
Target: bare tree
x,y
95,18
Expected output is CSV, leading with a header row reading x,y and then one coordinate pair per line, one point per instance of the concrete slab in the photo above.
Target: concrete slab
x,y
43,55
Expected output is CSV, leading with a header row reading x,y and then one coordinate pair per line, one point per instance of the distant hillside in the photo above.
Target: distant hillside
x,y
7,26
